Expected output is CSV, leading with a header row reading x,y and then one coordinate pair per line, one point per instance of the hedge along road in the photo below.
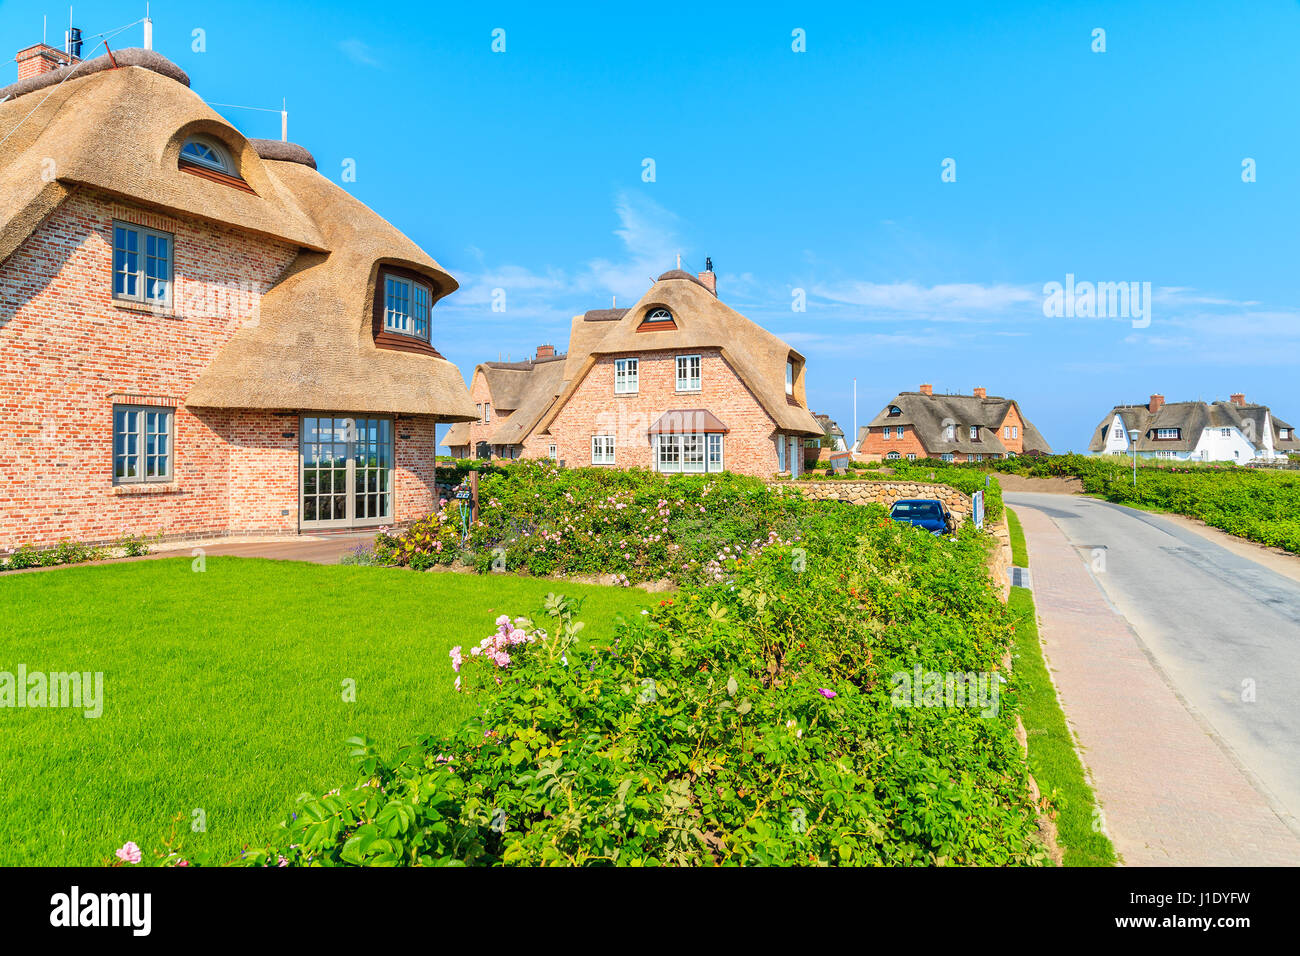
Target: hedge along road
x,y
1224,629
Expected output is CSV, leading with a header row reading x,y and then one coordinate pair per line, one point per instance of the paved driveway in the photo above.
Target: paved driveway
x,y
1178,663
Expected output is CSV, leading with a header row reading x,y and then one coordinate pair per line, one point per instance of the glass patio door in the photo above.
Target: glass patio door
x,y
346,472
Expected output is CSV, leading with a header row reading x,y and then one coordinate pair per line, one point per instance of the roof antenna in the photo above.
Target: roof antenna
x,y
148,29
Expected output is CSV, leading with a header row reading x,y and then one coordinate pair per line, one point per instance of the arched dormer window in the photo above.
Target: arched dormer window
x,y
207,152
894,411
207,157
656,319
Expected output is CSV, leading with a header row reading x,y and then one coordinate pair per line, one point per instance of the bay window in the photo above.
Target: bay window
x,y
406,307
692,452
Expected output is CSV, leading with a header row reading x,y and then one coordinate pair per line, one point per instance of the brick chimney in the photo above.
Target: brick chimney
x,y
981,392
710,280
545,351
927,389
1237,398
1157,402
39,59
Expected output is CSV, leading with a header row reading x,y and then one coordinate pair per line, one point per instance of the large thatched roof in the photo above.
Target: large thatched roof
x,y
521,392
702,321
929,416
1192,418
120,131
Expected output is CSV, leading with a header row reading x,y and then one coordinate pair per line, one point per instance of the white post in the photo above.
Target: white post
x,y
148,33
855,414
284,122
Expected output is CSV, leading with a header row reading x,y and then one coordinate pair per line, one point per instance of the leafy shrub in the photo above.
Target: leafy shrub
x,y
744,721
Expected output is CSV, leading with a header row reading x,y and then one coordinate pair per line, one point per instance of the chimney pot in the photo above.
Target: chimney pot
x,y
927,389
710,280
1237,398
1156,403
545,351
981,392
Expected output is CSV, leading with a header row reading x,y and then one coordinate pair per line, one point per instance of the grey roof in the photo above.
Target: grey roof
x,y
929,416
828,424
1191,418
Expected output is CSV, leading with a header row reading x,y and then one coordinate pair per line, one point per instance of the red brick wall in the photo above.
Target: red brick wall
x,y
1013,419
69,353
594,409
875,446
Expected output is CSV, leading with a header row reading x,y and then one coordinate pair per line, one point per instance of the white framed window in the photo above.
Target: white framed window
x,y
626,376
688,373
950,433
716,462
406,307
659,315
1168,432
947,456
888,431
1006,431
487,412
206,152
1284,433
780,453
900,430
1225,432
552,452
789,378
1015,431
142,264
911,456
602,449
974,433
893,455
142,443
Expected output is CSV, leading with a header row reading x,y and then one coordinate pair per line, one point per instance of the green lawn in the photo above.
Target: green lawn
x,y
1019,553
1052,758
224,690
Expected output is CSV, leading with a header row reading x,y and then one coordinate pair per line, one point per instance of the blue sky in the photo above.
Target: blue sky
x,y
819,170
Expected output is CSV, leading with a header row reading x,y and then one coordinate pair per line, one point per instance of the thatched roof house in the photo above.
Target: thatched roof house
x,y
218,338
923,424
1232,430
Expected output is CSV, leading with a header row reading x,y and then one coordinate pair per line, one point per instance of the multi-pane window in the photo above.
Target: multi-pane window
x,y
688,373
602,449
487,412
1225,432
950,433
1006,431
715,452
1167,432
911,456
406,307
1283,433
789,378
142,264
691,452
142,443
1015,431
626,374
947,456
892,454
974,433
900,430
552,452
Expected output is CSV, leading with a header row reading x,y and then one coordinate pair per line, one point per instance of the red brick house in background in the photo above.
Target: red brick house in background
x,y
510,398
199,333
680,382
949,427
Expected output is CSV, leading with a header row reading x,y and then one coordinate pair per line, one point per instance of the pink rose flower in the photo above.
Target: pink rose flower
x,y
129,853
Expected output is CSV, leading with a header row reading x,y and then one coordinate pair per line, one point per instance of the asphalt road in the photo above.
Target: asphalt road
x,y
1218,624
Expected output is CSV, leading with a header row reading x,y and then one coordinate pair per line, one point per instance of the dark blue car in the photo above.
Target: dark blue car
x,y
928,513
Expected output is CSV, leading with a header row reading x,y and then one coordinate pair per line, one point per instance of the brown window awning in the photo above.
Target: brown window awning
x,y
688,421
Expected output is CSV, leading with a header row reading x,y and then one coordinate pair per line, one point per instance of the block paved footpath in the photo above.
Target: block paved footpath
x,y
1169,793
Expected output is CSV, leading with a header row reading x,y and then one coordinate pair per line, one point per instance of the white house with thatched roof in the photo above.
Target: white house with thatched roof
x,y
1232,431
200,334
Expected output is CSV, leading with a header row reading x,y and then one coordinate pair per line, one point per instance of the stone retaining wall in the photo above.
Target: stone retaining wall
x,y
881,492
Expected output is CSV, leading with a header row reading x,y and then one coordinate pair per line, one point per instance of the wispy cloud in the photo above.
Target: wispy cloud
x,y
358,51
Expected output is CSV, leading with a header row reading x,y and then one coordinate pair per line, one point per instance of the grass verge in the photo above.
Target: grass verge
x,y
1019,553
1052,758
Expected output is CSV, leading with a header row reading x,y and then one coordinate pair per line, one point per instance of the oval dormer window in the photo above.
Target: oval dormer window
x,y
208,153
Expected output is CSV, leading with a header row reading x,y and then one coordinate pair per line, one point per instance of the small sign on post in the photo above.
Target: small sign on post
x,y
977,509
